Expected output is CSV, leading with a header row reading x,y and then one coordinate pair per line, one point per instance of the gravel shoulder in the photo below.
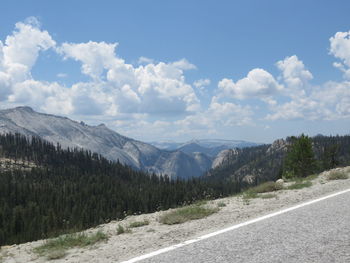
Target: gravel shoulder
x,y
155,235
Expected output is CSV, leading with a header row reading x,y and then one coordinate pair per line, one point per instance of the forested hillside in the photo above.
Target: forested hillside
x,y
50,190
46,190
266,162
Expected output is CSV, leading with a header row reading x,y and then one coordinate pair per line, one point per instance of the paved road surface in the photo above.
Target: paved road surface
x,y
319,232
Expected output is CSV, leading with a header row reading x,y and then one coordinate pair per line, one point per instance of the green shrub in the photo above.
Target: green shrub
x,y
288,175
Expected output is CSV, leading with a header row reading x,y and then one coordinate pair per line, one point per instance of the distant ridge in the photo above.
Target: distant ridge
x,y
210,147
102,140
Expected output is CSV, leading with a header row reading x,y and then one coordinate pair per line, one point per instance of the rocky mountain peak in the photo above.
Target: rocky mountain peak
x,y
102,140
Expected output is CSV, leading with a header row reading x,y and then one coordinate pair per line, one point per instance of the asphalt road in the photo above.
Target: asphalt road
x,y
319,232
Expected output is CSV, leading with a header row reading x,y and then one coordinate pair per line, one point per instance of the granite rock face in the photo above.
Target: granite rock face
x,y
102,140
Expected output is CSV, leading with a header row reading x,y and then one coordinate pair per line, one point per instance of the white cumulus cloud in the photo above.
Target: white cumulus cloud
x,y
95,57
258,84
294,73
340,48
18,55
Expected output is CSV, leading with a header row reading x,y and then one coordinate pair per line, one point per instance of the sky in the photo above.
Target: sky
x,y
180,70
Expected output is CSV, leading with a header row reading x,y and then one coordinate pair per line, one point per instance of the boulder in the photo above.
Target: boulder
x,y
280,181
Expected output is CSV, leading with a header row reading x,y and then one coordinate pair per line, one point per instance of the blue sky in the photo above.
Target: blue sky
x,y
177,70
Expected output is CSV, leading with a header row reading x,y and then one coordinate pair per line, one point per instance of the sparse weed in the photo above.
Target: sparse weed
x,y
299,185
185,214
56,248
266,187
249,194
56,254
268,196
139,223
122,230
337,175
200,202
262,188
221,204
311,177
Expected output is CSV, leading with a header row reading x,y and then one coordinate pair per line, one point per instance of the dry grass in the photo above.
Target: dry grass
x,y
139,223
123,230
268,196
56,248
221,204
255,192
299,185
185,214
266,187
337,175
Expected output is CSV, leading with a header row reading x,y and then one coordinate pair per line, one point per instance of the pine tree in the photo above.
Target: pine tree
x,y
300,160
330,156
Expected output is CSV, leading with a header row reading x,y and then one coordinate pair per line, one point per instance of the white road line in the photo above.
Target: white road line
x,y
163,250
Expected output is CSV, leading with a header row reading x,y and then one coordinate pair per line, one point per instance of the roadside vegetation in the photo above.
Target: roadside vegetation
x,y
187,213
299,185
123,230
258,191
139,224
337,175
221,204
268,196
56,248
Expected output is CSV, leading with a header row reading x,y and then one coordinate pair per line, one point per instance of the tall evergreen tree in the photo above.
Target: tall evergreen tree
x,y
300,160
330,156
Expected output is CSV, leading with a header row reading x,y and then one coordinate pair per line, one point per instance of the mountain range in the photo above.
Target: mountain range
x,y
210,147
183,160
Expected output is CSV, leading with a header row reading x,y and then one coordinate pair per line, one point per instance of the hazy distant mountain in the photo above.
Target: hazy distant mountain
x,y
166,145
210,147
102,140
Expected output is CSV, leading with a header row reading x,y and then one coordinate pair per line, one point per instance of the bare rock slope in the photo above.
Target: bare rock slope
x,y
102,140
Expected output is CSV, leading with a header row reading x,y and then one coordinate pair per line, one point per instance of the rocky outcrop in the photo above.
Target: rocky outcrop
x,y
224,156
